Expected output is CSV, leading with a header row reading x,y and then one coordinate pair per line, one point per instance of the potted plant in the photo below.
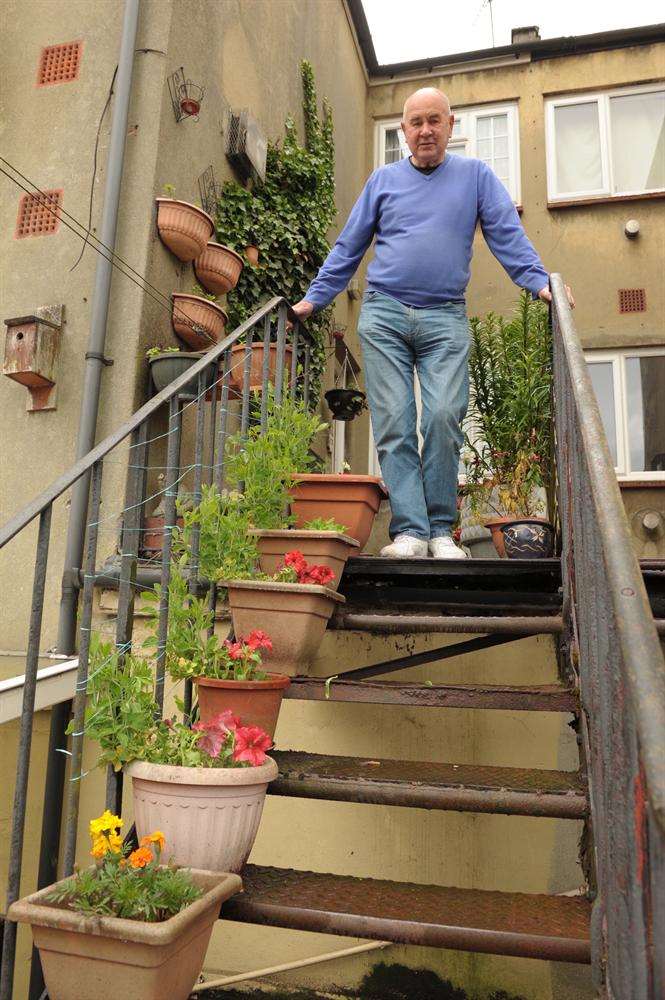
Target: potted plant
x,y
197,319
345,404
218,268
152,535
322,541
203,786
509,448
129,920
294,605
348,499
184,228
238,351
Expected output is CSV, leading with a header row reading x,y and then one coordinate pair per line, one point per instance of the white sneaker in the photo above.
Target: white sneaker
x,y
405,547
445,548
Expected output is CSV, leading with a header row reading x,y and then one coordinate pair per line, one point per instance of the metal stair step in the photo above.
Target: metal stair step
x,y
371,620
507,697
501,923
428,785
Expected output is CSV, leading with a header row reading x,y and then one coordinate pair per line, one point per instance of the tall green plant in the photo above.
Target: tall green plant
x,y
509,444
288,218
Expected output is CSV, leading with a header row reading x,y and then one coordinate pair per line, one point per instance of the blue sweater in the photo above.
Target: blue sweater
x,y
424,226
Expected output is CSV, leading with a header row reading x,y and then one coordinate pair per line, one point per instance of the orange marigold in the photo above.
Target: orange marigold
x,y
141,857
156,837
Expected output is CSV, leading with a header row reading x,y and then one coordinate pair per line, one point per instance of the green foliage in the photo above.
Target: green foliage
x,y
225,549
153,352
287,218
169,191
202,294
325,524
116,889
510,369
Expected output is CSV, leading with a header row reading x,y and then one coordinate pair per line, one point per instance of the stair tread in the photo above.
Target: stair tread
x,y
533,697
430,784
530,925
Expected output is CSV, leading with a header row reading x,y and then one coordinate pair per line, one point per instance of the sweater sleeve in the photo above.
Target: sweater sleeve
x,y
341,263
504,233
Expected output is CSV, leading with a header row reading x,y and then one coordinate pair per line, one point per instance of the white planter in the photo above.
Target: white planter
x,y
209,815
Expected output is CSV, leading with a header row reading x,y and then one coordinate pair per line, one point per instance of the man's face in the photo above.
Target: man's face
x,y
427,128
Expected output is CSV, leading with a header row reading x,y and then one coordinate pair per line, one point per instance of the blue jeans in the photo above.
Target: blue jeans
x,y
396,339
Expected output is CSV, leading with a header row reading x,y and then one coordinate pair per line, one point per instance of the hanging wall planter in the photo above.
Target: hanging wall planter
x,y
197,321
345,404
252,255
218,268
349,500
184,228
256,367
324,548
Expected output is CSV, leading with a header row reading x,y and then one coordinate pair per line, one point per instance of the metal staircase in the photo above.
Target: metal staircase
x,y
592,602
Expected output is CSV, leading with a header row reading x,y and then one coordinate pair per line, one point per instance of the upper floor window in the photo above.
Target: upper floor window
x,y
629,388
489,133
606,145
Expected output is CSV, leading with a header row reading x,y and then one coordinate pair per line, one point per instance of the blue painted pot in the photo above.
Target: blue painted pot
x,y
528,538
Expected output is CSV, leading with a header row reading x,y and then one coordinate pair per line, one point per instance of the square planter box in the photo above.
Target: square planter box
x,y
321,548
347,499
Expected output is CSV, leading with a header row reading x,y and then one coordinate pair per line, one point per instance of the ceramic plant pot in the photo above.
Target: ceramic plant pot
x,y
256,367
252,255
82,956
218,268
294,615
321,548
197,321
185,229
153,533
350,500
209,815
528,538
496,526
257,703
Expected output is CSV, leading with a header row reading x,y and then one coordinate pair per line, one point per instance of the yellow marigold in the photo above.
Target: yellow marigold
x,y
156,837
115,842
105,823
141,857
100,848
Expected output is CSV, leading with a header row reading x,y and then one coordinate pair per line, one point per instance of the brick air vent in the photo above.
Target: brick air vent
x,y
59,63
38,214
632,300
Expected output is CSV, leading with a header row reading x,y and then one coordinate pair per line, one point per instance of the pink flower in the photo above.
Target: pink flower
x,y
251,745
214,733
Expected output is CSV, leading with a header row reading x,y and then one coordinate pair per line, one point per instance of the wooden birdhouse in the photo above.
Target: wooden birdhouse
x,y
32,348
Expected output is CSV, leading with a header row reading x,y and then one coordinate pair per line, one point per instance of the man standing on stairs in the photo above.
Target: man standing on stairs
x,y
422,212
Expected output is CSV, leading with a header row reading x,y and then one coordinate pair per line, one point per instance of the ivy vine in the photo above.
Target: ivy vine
x,y
287,218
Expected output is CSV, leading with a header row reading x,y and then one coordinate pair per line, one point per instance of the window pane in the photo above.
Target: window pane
x,y
483,128
393,147
577,139
645,392
638,141
492,144
602,380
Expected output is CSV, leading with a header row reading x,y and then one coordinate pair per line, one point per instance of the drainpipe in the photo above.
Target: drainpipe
x,y
95,354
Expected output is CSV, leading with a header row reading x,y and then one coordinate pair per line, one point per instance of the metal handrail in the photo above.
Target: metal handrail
x,y
85,464
637,635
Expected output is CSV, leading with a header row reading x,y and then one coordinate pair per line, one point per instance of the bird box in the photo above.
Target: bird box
x,y
32,348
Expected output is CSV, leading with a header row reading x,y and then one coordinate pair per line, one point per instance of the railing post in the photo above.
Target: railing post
x,y
265,381
24,748
170,494
306,390
281,348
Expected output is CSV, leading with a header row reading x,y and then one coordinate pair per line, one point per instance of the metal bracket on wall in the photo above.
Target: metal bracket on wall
x,y
95,355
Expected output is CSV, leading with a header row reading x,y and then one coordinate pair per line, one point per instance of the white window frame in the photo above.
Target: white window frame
x,y
468,118
602,99
617,359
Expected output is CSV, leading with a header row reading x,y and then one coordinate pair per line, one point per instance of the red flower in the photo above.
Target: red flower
x,y
235,649
295,559
259,640
251,745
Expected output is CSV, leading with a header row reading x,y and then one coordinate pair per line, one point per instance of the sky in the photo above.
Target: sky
x,y
443,27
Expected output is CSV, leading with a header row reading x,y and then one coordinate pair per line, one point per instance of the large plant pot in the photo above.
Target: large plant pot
x,y
85,957
528,538
322,548
197,321
350,500
184,228
218,268
209,815
257,703
294,615
256,367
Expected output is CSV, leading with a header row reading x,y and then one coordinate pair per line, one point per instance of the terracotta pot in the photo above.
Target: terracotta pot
x,y
218,268
252,255
528,538
350,500
82,956
294,615
495,527
197,321
322,548
153,533
184,228
209,815
256,367
257,703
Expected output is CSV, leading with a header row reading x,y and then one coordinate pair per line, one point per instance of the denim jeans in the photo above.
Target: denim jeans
x,y
396,340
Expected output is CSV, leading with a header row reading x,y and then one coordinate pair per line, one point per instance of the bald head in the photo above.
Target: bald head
x,y
427,125
429,95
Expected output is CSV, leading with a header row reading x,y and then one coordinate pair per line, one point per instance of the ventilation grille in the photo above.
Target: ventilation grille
x,y
632,300
38,214
59,63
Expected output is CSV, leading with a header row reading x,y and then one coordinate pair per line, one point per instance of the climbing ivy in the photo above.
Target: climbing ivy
x,y
287,218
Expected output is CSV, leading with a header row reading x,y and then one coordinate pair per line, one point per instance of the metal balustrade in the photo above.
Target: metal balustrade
x,y
272,325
